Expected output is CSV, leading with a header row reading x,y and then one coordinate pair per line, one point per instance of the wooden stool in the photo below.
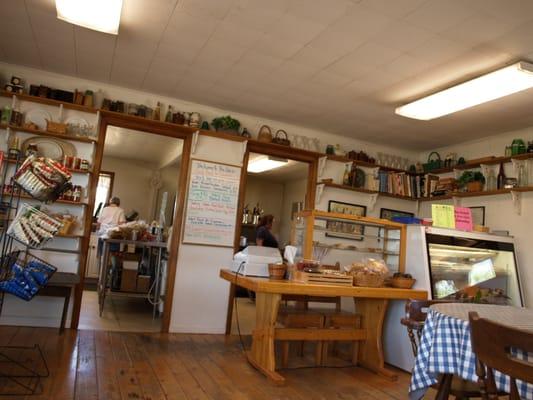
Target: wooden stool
x,y
341,320
298,318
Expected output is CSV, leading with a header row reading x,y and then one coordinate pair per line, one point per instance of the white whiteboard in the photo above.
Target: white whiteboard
x,y
212,199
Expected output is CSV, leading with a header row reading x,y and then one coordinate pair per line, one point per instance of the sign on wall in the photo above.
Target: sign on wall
x,y
212,201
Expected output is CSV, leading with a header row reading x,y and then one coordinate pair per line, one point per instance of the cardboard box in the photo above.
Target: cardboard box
x,y
128,282
143,283
130,265
131,256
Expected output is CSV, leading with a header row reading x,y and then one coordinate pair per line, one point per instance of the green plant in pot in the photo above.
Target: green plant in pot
x,y
226,123
472,181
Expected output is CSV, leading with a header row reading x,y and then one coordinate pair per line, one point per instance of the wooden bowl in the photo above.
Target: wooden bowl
x,y
403,283
277,271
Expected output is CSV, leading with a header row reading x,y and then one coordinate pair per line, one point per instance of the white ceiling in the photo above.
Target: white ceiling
x,y
142,146
336,65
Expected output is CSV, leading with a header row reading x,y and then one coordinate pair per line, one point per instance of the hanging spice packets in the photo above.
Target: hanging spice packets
x,y
43,178
33,227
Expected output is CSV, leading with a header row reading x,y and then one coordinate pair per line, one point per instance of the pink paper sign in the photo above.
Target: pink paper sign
x,y
463,219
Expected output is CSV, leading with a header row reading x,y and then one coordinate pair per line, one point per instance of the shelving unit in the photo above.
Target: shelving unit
x,y
39,132
72,246
360,163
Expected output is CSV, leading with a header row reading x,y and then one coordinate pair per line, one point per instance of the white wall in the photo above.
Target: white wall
x,y
132,184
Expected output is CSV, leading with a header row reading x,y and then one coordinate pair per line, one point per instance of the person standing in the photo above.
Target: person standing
x,y
264,236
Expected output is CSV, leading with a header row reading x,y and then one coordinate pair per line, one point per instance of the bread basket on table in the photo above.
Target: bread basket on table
x,y
369,273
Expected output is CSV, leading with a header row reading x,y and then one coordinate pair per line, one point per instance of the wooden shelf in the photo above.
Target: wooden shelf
x,y
479,194
69,236
50,102
73,171
25,196
363,163
490,161
362,190
39,132
434,198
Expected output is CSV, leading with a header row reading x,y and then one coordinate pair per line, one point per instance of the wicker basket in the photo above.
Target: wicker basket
x,y
265,134
277,271
56,127
366,279
403,283
281,138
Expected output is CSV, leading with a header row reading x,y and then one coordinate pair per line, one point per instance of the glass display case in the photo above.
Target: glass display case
x,y
332,238
473,269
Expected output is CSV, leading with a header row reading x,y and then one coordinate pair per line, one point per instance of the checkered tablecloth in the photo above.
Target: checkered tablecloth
x,y
445,345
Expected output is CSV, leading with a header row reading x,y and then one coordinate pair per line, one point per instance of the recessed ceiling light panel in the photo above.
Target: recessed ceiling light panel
x,y
99,15
263,164
500,83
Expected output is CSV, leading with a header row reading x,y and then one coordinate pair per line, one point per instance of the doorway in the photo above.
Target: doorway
x,y
136,204
274,186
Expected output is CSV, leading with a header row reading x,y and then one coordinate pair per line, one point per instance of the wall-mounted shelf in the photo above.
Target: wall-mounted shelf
x,y
365,164
71,170
49,102
39,132
487,161
363,190
74,203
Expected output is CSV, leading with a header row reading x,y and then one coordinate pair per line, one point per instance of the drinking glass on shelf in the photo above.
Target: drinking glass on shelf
x,y
386,160
380,158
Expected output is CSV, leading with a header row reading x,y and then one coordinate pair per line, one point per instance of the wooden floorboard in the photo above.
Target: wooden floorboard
x,y
100,365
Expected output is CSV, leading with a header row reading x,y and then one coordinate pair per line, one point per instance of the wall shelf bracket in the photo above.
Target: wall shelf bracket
x,y
321,165
195,136
517,202
373,198
244,145
319,191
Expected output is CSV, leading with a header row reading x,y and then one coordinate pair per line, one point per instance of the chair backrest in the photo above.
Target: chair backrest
x,y
416,312
502,348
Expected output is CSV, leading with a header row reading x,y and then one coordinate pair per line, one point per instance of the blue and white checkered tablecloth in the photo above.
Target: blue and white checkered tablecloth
x,y
445,345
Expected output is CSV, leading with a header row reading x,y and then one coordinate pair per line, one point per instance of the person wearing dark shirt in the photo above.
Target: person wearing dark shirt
x,y
264,236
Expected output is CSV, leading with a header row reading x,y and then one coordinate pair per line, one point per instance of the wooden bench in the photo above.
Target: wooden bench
x,y
61,285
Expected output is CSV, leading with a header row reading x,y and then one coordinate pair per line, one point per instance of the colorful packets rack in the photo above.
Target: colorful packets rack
x,y
22,274
43,178
33,227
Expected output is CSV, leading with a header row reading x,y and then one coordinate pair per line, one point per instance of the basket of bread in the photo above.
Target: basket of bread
x,y
368,273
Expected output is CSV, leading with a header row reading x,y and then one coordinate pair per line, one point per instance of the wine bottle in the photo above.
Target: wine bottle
x,y
168,117
501,177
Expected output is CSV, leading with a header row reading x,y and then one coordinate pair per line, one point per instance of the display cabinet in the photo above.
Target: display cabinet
x,y
333,238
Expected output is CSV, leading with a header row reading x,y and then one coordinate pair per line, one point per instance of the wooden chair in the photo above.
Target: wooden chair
x,y
416,314
341,320
61,284
491,342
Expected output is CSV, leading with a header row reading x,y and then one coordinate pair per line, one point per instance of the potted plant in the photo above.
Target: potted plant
x,y
472,181
227,124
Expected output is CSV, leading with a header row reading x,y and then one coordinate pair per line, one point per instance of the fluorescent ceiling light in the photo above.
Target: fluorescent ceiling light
x,y
500,83
263,164
100,15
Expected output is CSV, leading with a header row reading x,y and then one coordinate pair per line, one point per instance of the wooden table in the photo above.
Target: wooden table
x,y
371,303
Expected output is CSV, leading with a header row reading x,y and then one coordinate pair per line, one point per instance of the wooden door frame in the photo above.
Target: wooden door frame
x,y
274,150
108,118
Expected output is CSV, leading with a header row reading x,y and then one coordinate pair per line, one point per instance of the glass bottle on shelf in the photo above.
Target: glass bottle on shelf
x,y
346,176
491,181
522,175
501,177
168,117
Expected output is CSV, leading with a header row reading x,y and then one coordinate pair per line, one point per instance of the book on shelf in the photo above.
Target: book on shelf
x,y
406,185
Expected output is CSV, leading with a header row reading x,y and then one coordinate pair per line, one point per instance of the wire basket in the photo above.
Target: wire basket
x,y
23,274
43,178
33,227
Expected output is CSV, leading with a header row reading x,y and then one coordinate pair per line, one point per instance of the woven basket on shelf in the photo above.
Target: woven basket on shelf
x,y
265,134
366,279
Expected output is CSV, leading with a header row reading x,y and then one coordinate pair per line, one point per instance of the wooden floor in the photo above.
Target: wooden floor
x,y
117,365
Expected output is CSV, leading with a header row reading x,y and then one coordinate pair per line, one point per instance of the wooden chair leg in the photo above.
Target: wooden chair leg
x,y
318,353
325,352
64,313
285,353
355,351
445,385
300,350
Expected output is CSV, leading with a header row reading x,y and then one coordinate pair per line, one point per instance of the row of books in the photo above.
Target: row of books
x,y
403,184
